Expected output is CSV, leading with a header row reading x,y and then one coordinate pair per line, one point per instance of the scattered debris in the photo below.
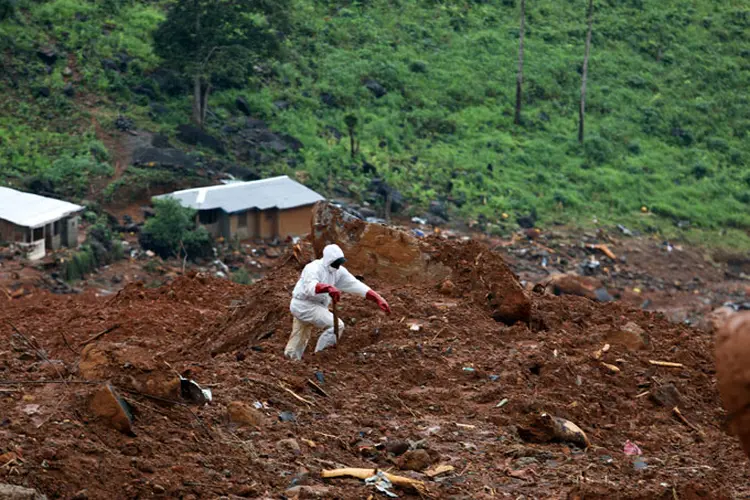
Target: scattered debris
x,y
287,416
381,483
113,409
364,474
502,403
544,428
667,364
13,492
631,448
193,392
439,470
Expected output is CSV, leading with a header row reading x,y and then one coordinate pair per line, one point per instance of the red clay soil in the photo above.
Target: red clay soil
x,y
432,373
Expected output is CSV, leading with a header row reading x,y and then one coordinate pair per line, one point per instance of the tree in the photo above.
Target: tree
x,y
582,109
519,79
172,232
206,40
351,125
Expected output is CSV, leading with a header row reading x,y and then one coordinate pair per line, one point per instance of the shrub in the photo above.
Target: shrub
x,y
172,232
242,277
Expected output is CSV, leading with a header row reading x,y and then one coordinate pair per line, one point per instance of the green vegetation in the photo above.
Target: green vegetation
x,y
99,249
427,89
172,232
242,277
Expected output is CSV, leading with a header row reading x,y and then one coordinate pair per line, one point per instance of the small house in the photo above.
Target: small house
x,y
266,209
37,223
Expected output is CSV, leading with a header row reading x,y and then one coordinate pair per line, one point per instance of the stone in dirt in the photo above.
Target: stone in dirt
x,y
112,409
290,445
416,460
13,492
244,414
631,336
397,447
666,395
306,491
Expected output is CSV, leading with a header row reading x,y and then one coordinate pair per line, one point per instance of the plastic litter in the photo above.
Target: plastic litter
x,y
192,392
381,483
631,449
419,220
624,230
418,233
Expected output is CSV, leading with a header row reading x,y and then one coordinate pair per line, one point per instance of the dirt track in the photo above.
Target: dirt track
x,y
387,382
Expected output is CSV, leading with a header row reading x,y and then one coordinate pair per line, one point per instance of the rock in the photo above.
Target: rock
x,y
733,374
416,460
67,71
244,414
160,141
630,336
145,89
163,157
382,189
287,416
107,405
282,105
290,445
545,428
309,491
169,82
131,367
157,109
329,100
573,284
159,489
43,92
377,90
397,447
81,495
602,295
12,492
418,67
243,106
526,221
48,55
447,287
69,90
438,208
666,395
110,65
254,123
193,135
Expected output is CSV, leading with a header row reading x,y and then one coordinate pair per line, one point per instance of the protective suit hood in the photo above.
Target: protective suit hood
x,y
331,254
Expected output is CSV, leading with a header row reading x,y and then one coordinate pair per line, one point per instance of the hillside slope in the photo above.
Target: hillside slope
x,y
432,86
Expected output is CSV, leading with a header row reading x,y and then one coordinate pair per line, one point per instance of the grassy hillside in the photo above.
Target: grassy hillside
x,y
667,122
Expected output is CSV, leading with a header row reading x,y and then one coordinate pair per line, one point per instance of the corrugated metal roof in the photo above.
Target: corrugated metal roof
x,y
276,192
31,210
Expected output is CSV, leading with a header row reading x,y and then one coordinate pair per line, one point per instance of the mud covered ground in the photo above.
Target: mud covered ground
x,y
431,376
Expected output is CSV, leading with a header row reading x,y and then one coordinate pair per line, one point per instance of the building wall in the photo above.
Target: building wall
x,y
268,224
69,232
12,233
244,225
295,221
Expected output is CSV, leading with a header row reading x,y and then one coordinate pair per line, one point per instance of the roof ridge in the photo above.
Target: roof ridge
x,y
217,187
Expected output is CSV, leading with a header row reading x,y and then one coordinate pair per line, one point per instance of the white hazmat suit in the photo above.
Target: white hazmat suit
x,y
310,309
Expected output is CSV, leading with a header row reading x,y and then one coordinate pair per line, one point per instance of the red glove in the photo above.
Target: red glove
x,y
375,297
331,290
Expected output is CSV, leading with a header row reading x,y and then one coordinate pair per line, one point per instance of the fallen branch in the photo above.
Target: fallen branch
x,y
365,473
171,401
297,395
677,413
605,250
668,364
38,351
318,388
67,344
98,335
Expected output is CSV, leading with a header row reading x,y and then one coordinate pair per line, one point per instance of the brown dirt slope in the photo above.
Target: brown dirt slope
x,y
431,375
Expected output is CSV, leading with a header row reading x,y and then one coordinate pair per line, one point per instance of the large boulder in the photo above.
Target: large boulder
x,y
376,250
193,135
13,492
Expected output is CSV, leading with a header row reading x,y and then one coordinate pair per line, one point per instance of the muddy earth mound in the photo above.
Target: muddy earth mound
x,y
548,397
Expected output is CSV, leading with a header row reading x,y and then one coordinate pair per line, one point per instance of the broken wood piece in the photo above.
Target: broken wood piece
x,y
604,249
677,413
668,364
297,396
365,473
98,335
466,426
317,388
611,368
438,470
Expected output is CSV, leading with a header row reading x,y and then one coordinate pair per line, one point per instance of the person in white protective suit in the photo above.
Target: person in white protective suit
x,y
321,281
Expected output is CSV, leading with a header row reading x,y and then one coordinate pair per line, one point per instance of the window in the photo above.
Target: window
x,y
56,228
208,216
242,219
38,234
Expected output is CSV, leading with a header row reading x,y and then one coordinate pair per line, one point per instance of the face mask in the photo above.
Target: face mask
x,y
337,263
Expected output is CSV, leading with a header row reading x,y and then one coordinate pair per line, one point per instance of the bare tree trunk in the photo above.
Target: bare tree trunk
x,y
582,110
204,103
388,202
197,100
519,79
352,144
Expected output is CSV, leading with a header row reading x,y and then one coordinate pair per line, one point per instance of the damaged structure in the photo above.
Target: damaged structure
x,y
267,208
37,223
